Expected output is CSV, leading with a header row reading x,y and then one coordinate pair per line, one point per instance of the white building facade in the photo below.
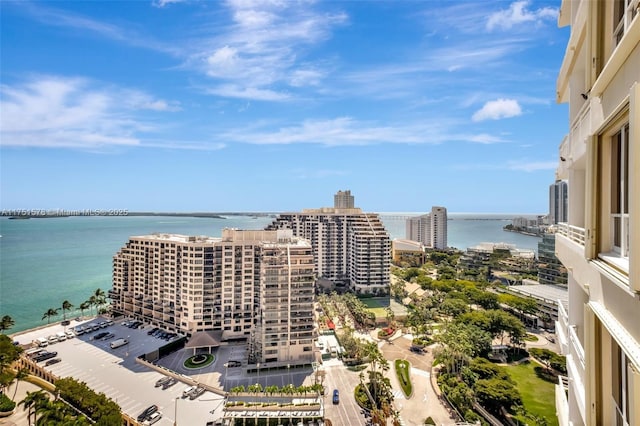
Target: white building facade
x,y
599,244
429,229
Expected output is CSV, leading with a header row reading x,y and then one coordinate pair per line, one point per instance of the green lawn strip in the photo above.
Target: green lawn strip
x,y
402,373
538,396
378,312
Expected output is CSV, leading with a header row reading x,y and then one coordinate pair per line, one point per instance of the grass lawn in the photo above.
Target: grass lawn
x,y
378,312
538,396
402,373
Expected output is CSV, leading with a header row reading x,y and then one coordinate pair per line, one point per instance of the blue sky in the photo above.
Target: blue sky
x,y
275,105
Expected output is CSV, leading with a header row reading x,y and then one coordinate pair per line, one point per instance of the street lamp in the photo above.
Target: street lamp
x,y
175,413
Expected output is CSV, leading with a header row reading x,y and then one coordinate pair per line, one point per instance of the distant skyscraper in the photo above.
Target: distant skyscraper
x,y
343,200
558,202
429,229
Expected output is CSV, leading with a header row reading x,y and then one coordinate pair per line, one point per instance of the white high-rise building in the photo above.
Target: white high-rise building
x,y
257,285
599,243
350,247
429,229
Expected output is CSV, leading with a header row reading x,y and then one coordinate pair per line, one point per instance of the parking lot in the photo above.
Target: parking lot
x,y
116,373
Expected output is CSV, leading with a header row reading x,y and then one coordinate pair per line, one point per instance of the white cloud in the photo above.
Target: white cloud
x,y
532,166
50,111
251,93
163,3
495,110
519,14
345,131
264,48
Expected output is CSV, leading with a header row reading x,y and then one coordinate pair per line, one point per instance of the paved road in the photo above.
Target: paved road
x,y
423,402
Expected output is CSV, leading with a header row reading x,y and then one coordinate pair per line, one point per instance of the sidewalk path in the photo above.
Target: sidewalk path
x,y
19,416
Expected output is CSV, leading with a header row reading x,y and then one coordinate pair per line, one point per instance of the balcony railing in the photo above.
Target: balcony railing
x,y
577,346
574,233
562,403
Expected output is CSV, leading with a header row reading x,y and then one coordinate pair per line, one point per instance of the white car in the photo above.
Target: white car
x,y
187,391
153,418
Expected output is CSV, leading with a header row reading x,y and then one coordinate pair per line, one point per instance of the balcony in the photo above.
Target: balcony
x,y
573,233
562,403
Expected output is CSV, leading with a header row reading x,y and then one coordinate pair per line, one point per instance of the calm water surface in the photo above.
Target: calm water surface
x,y
46,261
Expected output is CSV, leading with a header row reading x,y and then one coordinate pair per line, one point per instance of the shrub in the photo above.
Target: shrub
x,y
429,421
6,404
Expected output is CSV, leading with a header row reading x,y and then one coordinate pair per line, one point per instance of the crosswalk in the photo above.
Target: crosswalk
x,y
397,394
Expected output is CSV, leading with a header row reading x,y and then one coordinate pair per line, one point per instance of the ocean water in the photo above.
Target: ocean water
x,y
46,261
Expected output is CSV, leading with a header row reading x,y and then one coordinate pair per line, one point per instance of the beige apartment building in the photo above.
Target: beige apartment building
x,y
349,247
254,285
600,242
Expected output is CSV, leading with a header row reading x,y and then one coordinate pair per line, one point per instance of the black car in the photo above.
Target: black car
x,y
52,361
153,330
43,356
162,381
169,383
147,412
100,335
416,349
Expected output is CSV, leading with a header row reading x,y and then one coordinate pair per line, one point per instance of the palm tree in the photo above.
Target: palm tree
x,y
66,306
50,313
84,306
33,400
92,302
22,373
100,298
6,323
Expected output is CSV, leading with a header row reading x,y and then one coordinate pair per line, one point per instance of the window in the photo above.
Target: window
x,y
620,191
623,13
620,386
613,194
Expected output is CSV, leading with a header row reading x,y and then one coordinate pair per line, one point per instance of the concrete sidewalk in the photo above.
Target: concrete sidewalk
x,y
19,416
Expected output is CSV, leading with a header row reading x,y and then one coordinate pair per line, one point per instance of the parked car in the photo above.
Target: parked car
x,y
153,330
162,381
234,364
169,383
336,396
43,356
100,335
53,361
147,412
416,349
196,392
70,334
52,339
153,418
109,336
187,391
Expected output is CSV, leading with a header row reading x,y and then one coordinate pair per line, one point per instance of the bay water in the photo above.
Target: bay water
x,y
46,261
